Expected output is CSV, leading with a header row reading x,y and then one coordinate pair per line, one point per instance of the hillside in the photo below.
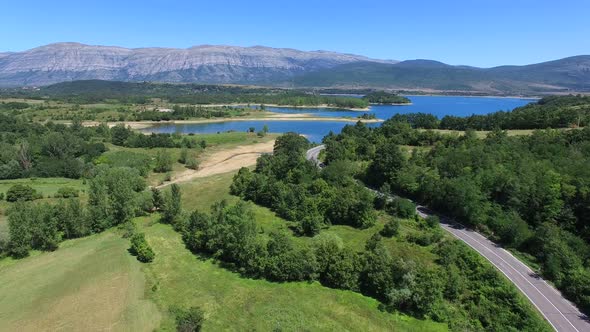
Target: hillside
x,y
565,75
206,63
268,66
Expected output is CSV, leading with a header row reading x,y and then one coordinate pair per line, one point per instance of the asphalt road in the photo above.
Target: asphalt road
x,y
314,153
558,311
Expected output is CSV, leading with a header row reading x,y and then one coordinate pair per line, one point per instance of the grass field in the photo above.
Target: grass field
x,y
88,284
46,186
233,303
259,297
94,284
215,143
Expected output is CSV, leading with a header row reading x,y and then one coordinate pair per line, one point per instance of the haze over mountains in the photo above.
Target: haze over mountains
x,y
282,67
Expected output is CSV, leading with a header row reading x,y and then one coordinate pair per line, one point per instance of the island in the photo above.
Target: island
x,y
386,98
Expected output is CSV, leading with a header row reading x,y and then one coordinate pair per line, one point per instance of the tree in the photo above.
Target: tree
x,y
119,134
311,225
72,218
112,195
157,198
172,205
32,226
265,129
19,226
24,155
376,278
163,162
389,158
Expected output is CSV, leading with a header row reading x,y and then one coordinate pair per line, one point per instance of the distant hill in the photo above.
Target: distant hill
x,y
261,65
565,75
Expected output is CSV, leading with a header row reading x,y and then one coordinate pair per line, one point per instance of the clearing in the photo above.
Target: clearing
x,y
224,161
88,284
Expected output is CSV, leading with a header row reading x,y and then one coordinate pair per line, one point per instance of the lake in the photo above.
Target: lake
x,y
316,130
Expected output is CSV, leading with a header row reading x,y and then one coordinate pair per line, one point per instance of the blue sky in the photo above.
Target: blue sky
x,y
471,32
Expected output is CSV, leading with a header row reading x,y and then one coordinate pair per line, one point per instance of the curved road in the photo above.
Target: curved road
x,y
558,311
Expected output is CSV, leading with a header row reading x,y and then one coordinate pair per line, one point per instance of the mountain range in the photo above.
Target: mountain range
x,y
259,65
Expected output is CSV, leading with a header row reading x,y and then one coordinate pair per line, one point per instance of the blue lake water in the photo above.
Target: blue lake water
x,y
315,130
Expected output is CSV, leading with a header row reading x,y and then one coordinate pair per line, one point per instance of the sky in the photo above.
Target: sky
x,y
480,33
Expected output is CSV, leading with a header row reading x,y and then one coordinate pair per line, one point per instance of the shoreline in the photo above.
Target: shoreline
x,y
148,124
472,96
289,106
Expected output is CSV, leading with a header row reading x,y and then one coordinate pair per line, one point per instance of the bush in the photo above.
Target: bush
x,y
141,249
1,196
183,156
192,163
21,192
189,320
391,228
432,221
401,207
67,192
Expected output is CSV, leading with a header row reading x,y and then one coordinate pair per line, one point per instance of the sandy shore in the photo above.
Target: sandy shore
x,y
272,117
289,106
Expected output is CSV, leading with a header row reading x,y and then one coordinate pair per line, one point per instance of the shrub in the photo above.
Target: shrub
x,y
21,192
1,196
183,156
141,249
192,163
391,228
432,221
189,320
67,192
401,207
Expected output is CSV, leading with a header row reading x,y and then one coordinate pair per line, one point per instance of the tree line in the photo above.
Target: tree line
x,y
96,91
30,149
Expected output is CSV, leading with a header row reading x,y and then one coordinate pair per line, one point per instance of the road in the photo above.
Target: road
x,y
314,153
558,311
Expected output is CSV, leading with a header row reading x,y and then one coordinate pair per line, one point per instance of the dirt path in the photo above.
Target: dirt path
x,y
224,161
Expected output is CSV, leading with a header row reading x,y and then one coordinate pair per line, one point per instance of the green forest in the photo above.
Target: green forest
x,y
382,97
96,91
297,190
530,193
